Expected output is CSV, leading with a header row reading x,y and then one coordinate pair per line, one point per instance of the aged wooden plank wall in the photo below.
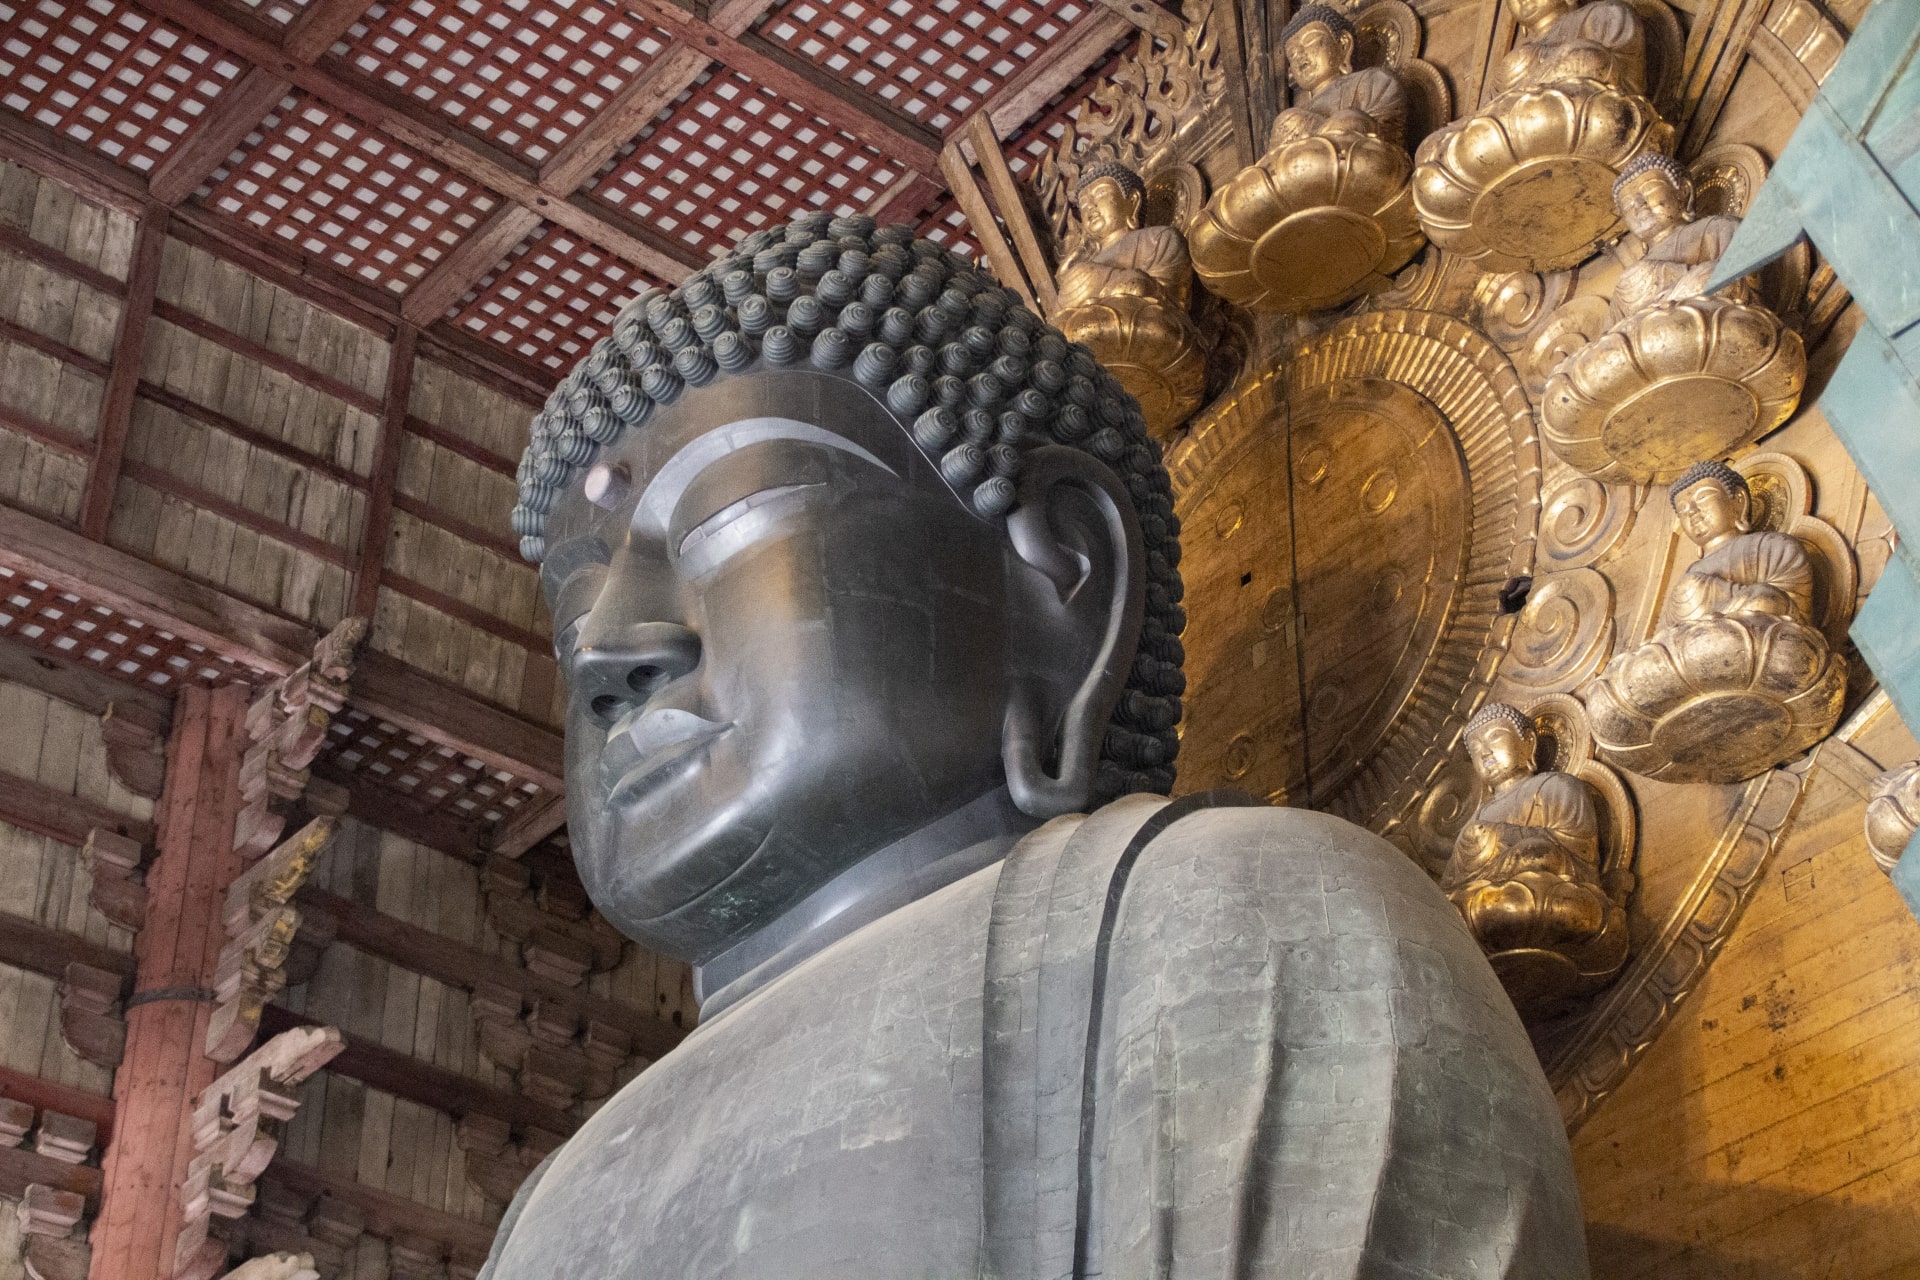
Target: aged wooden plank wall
x,y
1773,1131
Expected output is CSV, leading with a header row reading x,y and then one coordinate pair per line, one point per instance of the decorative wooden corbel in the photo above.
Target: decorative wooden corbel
x,y
287,724
52,1220
92,1014
117,865
261,923
136,748
236,1130
497,1163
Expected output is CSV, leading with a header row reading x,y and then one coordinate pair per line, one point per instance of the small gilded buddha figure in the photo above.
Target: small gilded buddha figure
x,y
1676,375
1737,679
1125,293
1561,40
1525,871
1325,215
1525,183
1333,98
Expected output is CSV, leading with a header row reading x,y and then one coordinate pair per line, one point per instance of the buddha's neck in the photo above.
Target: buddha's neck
x,y
977,834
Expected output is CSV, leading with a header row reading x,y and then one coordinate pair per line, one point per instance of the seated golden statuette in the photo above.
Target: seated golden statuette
x,y
1124,293
1326,214
1737,679
1526,183
1677,375
1526,871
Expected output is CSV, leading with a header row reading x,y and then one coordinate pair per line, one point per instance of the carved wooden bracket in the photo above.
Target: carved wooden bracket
x,y
117,865
319,1227
53,1233
497,1163
136,748
92,1015
261,922
236,1130
287,724
558,1057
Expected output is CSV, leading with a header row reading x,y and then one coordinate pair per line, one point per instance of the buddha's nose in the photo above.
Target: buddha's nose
x,y
626,668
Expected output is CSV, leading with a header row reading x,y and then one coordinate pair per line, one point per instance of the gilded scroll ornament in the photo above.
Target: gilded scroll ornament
x,y
1530,870
1893,814
1525,183
1738,677
1582,520
1676,375
1124,293
1565,631
1326,214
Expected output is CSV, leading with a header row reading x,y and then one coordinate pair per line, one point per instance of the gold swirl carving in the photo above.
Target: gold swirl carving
x,y
1565,632
1581,520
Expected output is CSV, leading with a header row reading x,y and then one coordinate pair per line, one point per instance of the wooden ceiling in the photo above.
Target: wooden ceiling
x,y
513,170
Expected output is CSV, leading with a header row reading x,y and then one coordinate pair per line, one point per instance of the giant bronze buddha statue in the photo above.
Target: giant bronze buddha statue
x,y
864,584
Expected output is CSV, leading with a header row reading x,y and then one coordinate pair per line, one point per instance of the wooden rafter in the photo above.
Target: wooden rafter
x,y
378,524
129,354
1037,83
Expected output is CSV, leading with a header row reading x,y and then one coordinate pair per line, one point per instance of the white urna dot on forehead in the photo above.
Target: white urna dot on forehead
x,y
607,485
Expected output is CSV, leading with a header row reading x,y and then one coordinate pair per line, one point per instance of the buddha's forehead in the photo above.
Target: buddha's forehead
x,y
706,426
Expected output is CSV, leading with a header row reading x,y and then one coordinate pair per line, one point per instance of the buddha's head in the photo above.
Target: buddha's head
x,y
1501,741
1535,16
1712,503
1319,46
1654,194
838,538
1108,196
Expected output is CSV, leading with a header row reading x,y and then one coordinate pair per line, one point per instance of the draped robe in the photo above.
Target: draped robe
x,y
1163,1040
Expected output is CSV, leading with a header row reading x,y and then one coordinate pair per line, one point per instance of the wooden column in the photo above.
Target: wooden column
x,y
175,955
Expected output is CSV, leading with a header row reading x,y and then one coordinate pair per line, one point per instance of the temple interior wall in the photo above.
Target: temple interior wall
x,y
1772,1132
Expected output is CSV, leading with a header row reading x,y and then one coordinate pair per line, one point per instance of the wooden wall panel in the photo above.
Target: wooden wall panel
x,y
35,296
456,651
256,311
460,487
263,399
491,583
271,486
253,565
496,423
1773,1131
42,209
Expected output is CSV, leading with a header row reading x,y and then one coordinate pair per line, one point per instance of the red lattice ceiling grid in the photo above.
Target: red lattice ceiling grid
x,y
435,777
552,299
936,61
731,156
314,176
280,13
108,75
68,626
1042,134
526,74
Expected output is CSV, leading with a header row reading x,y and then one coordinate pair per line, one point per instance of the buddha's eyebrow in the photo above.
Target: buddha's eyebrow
x,y
664,490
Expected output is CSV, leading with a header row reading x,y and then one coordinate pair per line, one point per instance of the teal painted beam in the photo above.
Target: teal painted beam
x,y
1873,405
1887,630
1880,51
1906,875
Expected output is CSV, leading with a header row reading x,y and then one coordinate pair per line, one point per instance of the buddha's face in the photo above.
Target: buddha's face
x,y
1108,209
1501,753
1652,205
1709,513
1316,55
786,644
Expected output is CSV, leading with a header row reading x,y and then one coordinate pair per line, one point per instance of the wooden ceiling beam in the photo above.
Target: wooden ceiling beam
x,y
801,83
46,1095
534,823
231,628
377,525
417,130
385,1213
632,110
417,1080
447,960
30,945
77,684
236,113
1021,98
467,263
123,381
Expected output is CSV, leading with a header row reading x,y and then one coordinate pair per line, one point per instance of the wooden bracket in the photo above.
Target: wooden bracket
x,y
117,864
92,1018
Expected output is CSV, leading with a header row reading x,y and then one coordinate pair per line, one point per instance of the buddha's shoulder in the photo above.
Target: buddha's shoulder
x,y
1293,869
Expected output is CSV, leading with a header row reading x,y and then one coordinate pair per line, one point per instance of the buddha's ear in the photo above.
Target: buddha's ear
x,y
1077,594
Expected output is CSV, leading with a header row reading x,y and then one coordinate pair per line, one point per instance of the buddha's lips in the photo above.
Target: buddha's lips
x,y
639,747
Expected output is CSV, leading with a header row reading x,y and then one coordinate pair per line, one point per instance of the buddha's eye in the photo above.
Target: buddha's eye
x,y
740,524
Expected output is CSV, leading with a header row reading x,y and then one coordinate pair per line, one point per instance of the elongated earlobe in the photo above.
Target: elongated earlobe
x,y
1084,591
